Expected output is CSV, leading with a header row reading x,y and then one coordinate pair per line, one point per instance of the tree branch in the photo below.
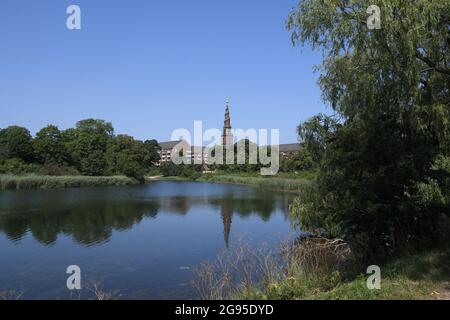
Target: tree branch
x,y
432,65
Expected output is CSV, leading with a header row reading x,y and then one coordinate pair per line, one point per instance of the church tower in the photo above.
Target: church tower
x,y
226,212
227,136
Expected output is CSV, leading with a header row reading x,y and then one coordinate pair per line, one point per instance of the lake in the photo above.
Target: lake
x,y
141,241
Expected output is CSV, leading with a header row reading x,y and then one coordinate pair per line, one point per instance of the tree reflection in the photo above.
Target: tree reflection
x,y
226,212
92,221
88,223
262,203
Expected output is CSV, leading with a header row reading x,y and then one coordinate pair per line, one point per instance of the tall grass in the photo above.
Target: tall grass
x,y
10,295
291,271
318,268
13,182
92,290
275,183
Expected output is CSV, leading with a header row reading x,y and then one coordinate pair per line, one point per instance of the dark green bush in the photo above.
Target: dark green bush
x,y
58,170
17,166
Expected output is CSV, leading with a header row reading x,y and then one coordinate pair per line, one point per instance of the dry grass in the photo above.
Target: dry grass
x,y
318,253
272,273
215,280
96,288
10,295
318,268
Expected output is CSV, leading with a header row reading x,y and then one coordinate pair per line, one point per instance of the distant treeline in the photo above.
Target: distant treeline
x,y
90,148
300,161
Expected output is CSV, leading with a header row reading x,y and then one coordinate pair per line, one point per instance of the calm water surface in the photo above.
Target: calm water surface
x,y
141,241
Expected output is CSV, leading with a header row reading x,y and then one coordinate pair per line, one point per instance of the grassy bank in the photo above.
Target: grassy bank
x,y
320,270
274,183
13,182
420,276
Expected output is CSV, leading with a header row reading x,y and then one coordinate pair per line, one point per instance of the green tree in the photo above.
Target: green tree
x,y
69,138
128,156
3,152
16,142
315,133
378,184
96,127
49,146
300,161
241,150
169,169
88,144
153,149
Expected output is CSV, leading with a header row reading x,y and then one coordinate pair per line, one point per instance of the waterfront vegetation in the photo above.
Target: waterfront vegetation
x,y
271,182
382,161
31,181
383,178
419,276
296,171
294,181
318,268
89,149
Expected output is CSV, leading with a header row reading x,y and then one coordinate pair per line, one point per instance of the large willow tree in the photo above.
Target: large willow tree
x,y
384,176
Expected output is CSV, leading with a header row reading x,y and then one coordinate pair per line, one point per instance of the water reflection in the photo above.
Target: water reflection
x,y
90,216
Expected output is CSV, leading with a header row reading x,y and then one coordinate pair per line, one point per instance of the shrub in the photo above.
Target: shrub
x,y
17,166
169,169
58,170
10,182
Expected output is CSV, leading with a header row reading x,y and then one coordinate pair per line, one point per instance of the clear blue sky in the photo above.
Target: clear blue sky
x,y
151,66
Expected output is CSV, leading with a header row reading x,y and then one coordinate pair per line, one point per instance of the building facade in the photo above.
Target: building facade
x,y
289,149
171,147
199,155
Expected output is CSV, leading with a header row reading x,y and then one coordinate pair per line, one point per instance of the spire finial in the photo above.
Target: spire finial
x,y
227,102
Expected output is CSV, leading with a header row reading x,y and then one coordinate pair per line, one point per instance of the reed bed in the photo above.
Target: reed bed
x,y
13,182
275,183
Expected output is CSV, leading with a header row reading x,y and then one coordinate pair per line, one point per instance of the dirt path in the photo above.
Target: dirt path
x,y
154,177
442,294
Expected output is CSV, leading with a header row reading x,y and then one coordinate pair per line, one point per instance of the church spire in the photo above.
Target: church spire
x,y
227,137
227,122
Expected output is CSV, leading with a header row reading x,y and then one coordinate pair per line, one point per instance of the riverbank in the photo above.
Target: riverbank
x,y
13,182
276,183
421,276
273,183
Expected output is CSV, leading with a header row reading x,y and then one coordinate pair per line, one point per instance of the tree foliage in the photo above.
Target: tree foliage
x,y
315,133
153,149
128,156
49,146
16,142
381,184
299,161
90,148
